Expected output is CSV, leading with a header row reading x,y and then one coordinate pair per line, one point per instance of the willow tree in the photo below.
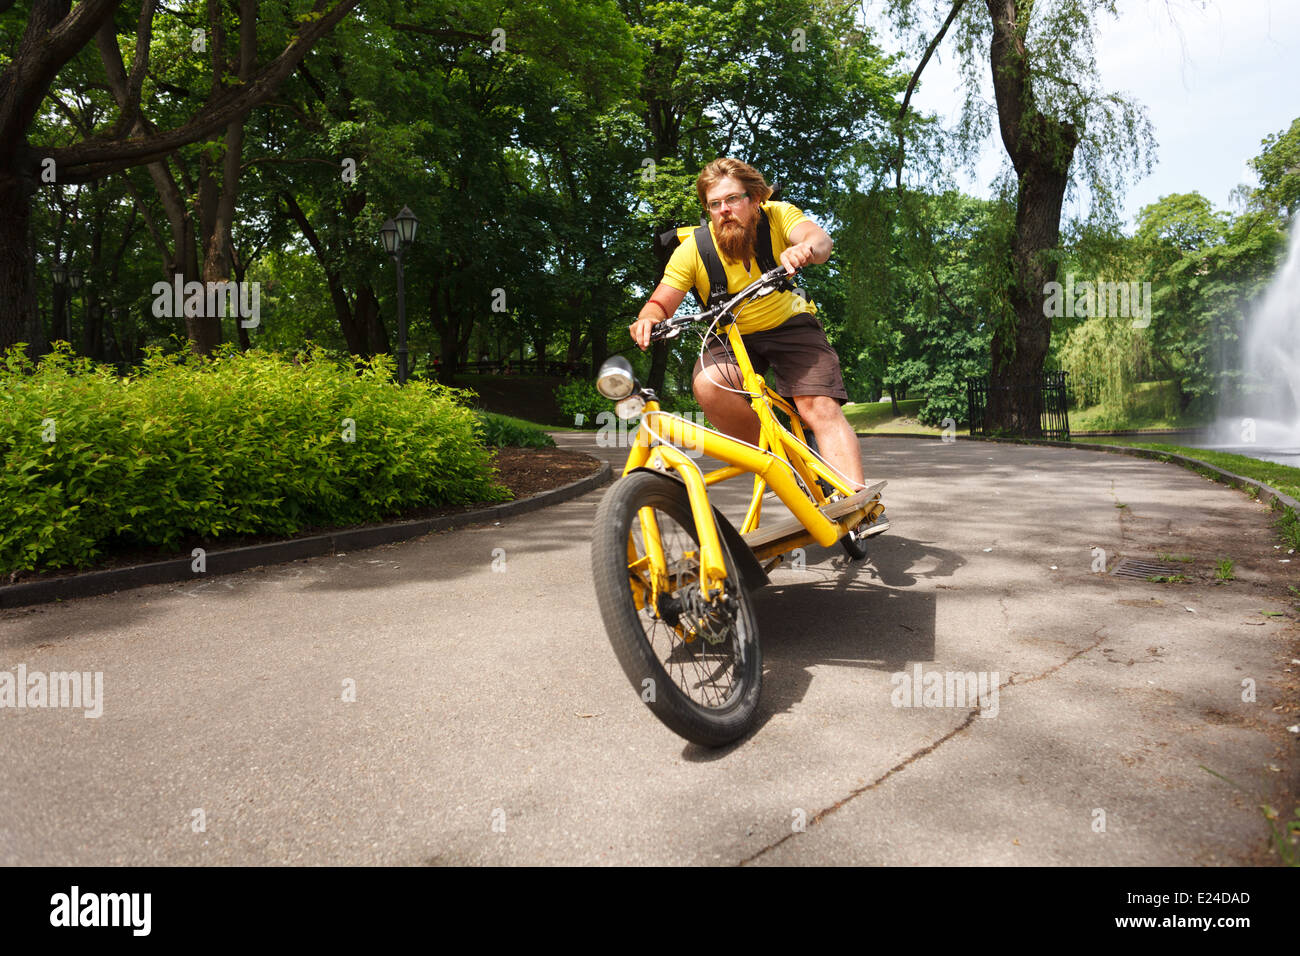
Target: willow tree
x,y
1061,131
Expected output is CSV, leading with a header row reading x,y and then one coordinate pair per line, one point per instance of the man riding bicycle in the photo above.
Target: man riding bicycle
x,y
780,330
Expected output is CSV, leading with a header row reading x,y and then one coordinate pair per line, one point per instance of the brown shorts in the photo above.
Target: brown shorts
x,y
798,353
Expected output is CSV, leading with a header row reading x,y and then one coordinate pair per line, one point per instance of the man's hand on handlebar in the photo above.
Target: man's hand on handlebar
x,y
640,330
647,329
797,256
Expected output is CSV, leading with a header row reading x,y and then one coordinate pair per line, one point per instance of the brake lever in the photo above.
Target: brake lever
x,y
671,331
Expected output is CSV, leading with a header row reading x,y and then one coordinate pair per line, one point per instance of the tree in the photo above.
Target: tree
x,y
1058,129
918,308
795,87
55,33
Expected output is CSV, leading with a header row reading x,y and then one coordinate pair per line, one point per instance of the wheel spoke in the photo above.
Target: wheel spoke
x,y
705,672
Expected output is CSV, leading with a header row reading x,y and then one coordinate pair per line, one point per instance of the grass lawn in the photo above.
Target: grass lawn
x,y
864,416
542,426
1154,405
878,418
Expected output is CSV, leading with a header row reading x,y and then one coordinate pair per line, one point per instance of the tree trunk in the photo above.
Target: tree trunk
x,y
19,321
1041,149
353,324
1019,349
599,346
370,318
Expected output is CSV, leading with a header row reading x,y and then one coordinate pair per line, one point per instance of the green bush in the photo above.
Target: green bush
x,y
501,431
253,443
580,397
682,403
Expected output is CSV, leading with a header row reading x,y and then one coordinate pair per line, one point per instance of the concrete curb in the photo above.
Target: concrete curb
x,y
241,559
1264,493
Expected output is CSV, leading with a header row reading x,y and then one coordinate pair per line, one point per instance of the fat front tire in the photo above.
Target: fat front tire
x,y
703,688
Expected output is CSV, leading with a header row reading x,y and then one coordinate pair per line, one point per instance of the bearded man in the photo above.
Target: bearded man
x,y
780,330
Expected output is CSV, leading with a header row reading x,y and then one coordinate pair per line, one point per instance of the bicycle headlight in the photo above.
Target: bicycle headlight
x,y
630,407
615,380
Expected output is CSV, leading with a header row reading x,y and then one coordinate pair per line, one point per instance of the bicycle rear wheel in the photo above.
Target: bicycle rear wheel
x,y
695,662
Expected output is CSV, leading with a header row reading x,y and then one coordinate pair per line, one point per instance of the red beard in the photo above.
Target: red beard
x,y
736,240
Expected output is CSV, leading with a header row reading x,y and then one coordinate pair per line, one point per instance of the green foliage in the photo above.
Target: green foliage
x,y
1288,526
1108,352
580,397
253,443
681,402
1206,270
1278,169
1286,838
501,431
920,301
867,415
1223,571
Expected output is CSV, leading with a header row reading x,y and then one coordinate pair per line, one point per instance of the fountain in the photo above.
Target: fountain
x,y
1270,427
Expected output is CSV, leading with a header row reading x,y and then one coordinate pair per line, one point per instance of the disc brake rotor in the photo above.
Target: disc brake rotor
x,y
714,621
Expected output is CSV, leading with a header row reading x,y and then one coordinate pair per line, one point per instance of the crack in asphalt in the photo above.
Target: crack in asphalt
x,y
928,749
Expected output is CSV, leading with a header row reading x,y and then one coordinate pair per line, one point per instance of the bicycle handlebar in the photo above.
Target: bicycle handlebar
x,y
671,327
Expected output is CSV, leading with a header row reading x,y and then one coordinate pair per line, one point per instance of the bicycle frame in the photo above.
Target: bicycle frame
x,y
781,461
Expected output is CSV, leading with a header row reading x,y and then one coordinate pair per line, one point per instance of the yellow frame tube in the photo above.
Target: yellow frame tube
x,y
775,463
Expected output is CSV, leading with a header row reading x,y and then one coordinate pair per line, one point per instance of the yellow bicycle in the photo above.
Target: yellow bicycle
x,y
673,575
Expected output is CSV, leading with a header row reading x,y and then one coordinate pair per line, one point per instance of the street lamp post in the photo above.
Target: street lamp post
x,y
59,272
75,279
397,234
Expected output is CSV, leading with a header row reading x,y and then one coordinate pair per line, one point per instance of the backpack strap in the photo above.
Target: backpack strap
x,y
670,240
763,244
712,263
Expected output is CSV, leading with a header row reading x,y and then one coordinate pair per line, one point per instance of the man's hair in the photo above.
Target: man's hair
x,y
756,186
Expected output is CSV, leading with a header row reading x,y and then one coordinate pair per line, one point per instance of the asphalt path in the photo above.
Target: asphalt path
x,y
453,699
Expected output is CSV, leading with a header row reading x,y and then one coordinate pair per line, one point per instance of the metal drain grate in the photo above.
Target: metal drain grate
x,y
1133,568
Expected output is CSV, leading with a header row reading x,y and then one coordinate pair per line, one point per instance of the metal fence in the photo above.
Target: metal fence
x,y
525,367
1049,392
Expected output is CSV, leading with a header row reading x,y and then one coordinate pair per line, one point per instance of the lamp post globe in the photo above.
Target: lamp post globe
x,y
388,233
406,223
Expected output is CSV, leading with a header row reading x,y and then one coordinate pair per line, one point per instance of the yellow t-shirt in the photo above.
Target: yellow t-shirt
x,y
686,270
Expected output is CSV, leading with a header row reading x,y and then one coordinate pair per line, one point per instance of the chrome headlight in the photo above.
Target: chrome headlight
x,y
615,380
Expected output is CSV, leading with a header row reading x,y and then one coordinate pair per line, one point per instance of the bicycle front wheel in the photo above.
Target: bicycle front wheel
x,y
695,662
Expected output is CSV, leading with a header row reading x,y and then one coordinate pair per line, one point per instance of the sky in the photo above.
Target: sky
x,y
1216,77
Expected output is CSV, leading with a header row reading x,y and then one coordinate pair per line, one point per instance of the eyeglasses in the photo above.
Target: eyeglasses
x,y
732,200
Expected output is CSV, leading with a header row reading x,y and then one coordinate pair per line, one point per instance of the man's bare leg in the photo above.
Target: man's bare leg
x,y
835,437
729,412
